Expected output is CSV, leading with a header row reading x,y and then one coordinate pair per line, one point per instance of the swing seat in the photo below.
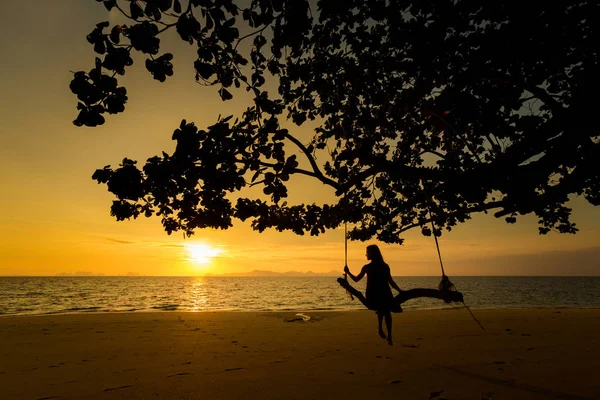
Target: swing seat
x,y
395,306
446,294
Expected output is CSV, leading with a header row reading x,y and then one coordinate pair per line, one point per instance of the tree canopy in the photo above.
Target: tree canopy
x,y
424,110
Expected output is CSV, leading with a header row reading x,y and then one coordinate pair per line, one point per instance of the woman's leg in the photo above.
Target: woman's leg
x,y
380,321
344,283
388,325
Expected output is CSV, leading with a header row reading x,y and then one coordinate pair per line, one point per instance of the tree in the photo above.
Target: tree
x,y
427,111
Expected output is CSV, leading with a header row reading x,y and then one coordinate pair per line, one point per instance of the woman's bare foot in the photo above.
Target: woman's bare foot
x,y
381,334
389,340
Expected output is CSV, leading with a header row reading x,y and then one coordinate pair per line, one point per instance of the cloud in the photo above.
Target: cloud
x,y
177,246
118,241
584,262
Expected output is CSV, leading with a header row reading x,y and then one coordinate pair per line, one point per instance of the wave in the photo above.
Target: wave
x,y
167,307
85,309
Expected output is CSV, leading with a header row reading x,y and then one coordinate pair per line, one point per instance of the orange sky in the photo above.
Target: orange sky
x,y
55,219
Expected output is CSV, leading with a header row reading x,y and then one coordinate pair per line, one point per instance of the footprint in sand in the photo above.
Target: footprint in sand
x,y
117,388
178,374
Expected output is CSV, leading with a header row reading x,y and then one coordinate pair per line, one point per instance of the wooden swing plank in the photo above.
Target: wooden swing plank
x,y
405,295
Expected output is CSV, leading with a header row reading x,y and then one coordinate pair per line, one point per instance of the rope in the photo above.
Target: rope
x,y
436,244
345,243
450,285
472,315
346,255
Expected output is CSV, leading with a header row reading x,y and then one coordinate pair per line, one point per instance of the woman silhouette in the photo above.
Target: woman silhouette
x,y
379,295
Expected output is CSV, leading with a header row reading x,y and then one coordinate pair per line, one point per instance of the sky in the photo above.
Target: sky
x,y
55,220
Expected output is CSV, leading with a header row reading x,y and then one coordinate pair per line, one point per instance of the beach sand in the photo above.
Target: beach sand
x,y
442,354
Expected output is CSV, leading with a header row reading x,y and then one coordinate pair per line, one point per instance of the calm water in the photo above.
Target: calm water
x,y
47,295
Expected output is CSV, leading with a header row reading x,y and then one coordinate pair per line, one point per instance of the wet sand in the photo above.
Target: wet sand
x,y
443,354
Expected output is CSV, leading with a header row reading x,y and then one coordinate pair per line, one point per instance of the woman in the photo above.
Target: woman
x,y
379,295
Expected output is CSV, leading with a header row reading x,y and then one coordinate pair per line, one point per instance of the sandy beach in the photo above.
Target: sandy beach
x,y
443,354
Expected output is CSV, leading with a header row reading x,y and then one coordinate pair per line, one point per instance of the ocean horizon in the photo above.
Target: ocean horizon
x,y
86,294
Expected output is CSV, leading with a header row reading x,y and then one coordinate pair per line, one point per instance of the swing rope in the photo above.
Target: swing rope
x,y
345,244
437,245
346,255
446,284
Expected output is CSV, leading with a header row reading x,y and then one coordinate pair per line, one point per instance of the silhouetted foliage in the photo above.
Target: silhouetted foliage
x,y
426,110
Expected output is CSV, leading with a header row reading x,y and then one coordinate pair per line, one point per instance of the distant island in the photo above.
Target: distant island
x,y
273,273
251,273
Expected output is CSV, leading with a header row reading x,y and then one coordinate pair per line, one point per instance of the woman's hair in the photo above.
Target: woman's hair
x,y
375,253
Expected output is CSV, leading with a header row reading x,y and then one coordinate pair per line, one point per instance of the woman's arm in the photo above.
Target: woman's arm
x,y
357,277
391,281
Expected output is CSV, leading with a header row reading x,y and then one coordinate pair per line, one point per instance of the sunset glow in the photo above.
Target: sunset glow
x,y
75,234
201,254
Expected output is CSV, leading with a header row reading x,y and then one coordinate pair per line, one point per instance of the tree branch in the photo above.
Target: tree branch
x,y
435,153
397,170
321,177
310,158
254,33
478,208
540,93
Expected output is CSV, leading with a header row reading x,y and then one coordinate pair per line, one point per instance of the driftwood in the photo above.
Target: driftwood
x,y
448,296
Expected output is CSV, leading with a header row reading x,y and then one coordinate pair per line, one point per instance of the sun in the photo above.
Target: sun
x,y
201,254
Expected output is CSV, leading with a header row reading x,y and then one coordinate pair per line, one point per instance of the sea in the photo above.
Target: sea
x,y
63,295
